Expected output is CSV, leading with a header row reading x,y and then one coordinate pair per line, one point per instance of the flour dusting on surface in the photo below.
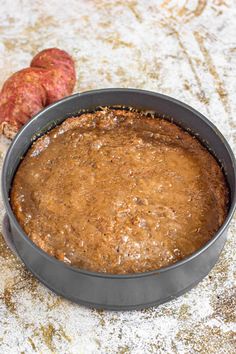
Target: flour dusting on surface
x,y
186,49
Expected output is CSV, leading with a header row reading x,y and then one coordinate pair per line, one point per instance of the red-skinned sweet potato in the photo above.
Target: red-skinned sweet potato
x,y
50,78
59,60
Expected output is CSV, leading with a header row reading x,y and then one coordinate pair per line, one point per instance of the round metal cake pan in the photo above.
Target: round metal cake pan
x,y
109,291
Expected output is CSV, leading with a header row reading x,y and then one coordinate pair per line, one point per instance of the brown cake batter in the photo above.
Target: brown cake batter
x,y
117,191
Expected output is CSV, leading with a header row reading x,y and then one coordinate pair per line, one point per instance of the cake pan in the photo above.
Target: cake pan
x,y
109,291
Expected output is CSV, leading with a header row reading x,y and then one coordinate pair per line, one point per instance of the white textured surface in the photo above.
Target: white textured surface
x,y
186,49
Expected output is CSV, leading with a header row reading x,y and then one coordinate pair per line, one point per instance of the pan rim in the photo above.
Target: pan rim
x,y
11,215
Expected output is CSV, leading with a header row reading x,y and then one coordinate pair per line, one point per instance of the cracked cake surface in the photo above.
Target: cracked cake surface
x,y
120,192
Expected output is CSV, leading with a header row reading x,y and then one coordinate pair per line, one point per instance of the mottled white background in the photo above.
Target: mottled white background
x,y
186,49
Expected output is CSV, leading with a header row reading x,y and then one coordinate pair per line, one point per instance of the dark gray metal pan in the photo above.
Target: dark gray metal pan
x,y
108,291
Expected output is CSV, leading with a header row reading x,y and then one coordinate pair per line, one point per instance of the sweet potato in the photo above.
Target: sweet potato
x,y
57,59
50,78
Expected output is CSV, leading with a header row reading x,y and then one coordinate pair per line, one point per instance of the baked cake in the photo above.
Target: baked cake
x,y
119,191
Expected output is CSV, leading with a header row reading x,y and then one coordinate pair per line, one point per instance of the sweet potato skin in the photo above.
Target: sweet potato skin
x,y
53,57
21,97
61,65
50,77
